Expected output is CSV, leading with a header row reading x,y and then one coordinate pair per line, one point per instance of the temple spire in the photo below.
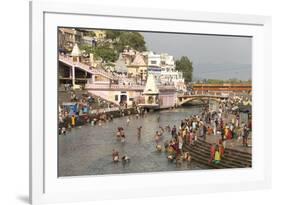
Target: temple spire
x,y
150,87
76,51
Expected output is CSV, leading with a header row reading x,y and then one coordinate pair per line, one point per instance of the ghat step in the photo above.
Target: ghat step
x,y
200,152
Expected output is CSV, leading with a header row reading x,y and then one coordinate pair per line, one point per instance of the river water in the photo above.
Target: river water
x,y
87,150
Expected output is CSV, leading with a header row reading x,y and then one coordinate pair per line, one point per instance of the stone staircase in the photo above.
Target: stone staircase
x,y
200,153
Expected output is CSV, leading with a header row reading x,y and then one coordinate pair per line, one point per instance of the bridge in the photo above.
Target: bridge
x,y
205,98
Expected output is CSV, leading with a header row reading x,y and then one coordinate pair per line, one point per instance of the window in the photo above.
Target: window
x,y
153,62
116,97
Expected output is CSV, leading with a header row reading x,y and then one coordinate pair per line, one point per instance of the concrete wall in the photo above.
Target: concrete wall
x,y
167,99
111,95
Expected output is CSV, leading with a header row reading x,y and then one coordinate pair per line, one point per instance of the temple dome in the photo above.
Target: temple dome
x,y
138,60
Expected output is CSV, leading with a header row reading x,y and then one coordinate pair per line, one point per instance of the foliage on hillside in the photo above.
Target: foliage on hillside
x,y
114,43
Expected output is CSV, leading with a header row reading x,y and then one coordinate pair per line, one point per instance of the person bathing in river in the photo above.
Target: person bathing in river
x,y
118,133
158,118
187,157
162,130
183,124
168,128
174,132
157,137
115,155
139,131
128,120
171,151
125,159
122,134
159,148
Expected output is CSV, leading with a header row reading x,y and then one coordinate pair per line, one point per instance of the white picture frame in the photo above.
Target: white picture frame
x,y
46,187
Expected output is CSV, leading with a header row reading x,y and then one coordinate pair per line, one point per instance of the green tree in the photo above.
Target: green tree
x,y
185,66
92,34
109,51
86,48
107,54
132,39
111,34
215,81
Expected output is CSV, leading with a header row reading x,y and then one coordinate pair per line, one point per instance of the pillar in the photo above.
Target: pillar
x,y
73,75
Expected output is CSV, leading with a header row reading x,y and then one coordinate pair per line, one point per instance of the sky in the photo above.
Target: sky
x,y
213,57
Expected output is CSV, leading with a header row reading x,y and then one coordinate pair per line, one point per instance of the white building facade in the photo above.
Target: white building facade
x,y
162,66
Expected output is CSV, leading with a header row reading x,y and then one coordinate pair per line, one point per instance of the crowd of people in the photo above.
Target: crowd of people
x,y
87,108
224,122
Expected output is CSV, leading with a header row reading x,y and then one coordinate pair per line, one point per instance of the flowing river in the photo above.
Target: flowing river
x,y
87,150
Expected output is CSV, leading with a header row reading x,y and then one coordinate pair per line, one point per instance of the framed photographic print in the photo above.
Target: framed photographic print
x,y
129,102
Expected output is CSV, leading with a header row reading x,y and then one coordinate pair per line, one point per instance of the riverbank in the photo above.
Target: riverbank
x,y
108,114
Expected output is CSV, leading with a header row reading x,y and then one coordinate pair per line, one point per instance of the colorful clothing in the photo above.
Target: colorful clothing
x,y
73,121
217,156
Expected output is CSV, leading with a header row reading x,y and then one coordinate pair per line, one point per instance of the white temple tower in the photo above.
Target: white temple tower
x,y
76,55
151,93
